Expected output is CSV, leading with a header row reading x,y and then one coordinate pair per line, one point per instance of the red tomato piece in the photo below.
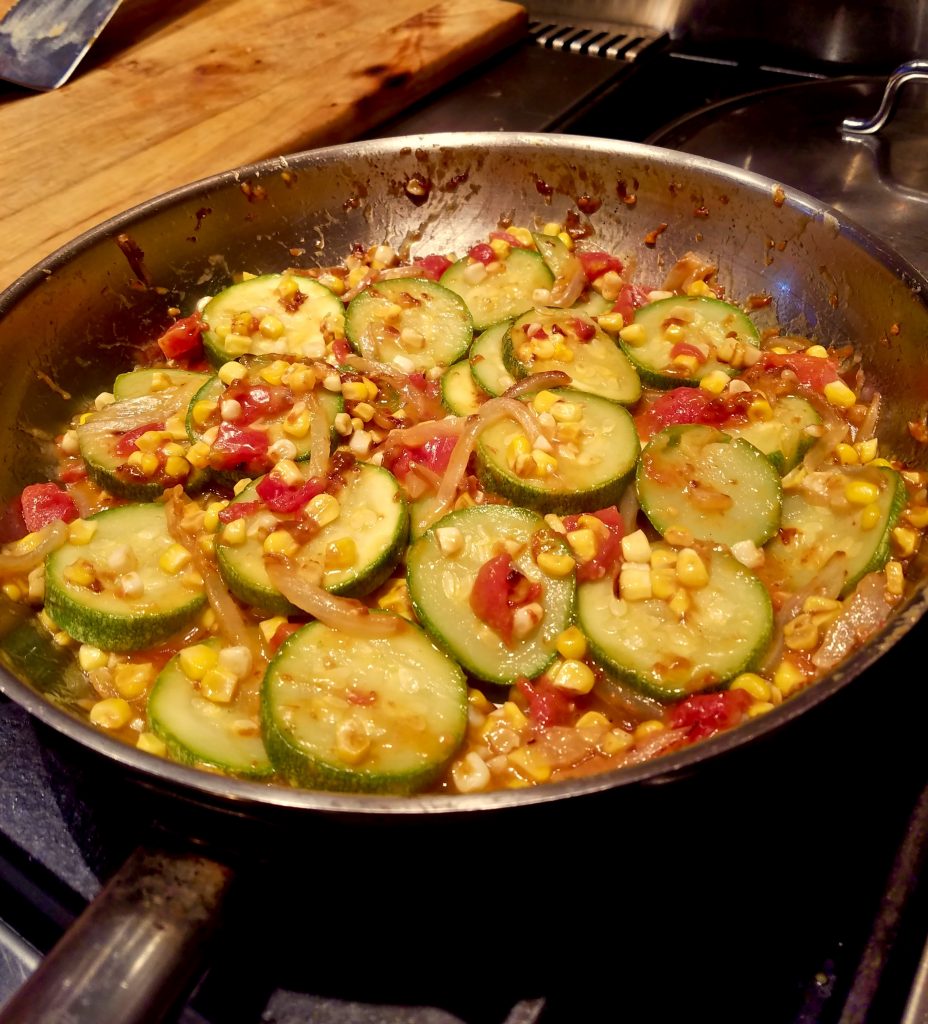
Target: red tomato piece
x,y
811,371
283,631
498,591
608,547
510,239
682,405
483,253
705,714
237,445
435,455
184,338
259,401
239,510
432,266
630,298
279,497
597,263
546,705
584,330
341,349
126,444
42,504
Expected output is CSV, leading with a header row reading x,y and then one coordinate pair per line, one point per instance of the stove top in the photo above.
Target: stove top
x,y
778,887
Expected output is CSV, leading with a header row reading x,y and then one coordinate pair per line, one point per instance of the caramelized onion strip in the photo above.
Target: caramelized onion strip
x,y
538,382
17,563
318,437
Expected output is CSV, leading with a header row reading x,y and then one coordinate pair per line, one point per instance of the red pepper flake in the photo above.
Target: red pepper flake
x,y
283,631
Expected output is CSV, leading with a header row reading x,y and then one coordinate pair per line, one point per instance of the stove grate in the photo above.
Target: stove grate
x,y
603,39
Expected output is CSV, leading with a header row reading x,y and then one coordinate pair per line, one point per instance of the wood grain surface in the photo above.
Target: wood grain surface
x,y
173,92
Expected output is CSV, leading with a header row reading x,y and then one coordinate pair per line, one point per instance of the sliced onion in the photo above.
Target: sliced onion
x,y
319,441
867,429
415,437
569,284
628,508
866,611
136,412
689,269
621,696
373,367
14,563
295,581
538,382
369,278
652,746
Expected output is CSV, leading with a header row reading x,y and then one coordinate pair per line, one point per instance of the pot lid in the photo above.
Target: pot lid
x,y
794,135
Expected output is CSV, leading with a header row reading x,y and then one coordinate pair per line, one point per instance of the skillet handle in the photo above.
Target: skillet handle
x,y
134,951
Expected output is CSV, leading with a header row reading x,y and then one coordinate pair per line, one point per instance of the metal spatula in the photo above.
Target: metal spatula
x,y
43,41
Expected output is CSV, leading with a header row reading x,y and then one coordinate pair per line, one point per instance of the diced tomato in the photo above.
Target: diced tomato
x,y
608,546
239,510
77,470
704,714
630,298
595,264
498,591
811,371
260,401
237,445
434,455
126,444
279,497
584,330
510,239
483,253
432,266
682,405
42,504
284,630
546,705
341,349
184,338
684,348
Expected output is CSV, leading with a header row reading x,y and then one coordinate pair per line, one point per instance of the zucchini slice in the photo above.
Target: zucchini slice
x,y
460,394
358,550
817,537
440,586
595,447
106,453
785,437
498,294
725,630
557,339
113,592
274,314
720,488
556,255
349,713
486,360
411,319
198,731
673,330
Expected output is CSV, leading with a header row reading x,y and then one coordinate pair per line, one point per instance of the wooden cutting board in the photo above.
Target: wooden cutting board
x,y
174,91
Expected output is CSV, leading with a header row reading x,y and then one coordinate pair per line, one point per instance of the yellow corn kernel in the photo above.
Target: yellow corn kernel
x,y
690,364
201,412
664,583
333,282
207,618
552,228
132,680
90,658
636,547
12,592
555,563
715,382
663,558
356,275
111,713
870,517
197,660
788,678
801,633
478,701
847,454
296,423
611,322
219,685
63,639
522,235
815,604
354,391
691,569
593,720
582,543
679,536
635,582
566,239
616,741
151,440
514,715
300,379
80,573
700,288
758,708
544,400
81,531
545,464
234,533
556,523
817,352
176,466
271,327
917,516
754,685
274,373
673,332
574,676
760,411
563,353
280,542
160,381
867,450
905,542
861,492
501,247
680,602
634,334
531,762
364,411
151,744
567,414
174,559
648,728
198,455
839,394
589,522
341,553
232,371
237,344
324,509
895,581
211,515
173,448
207,543
269,627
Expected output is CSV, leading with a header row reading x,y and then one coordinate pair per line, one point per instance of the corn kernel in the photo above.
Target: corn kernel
x,y
232,371
847,454
269,627
583,543
361,441
234,533
867,450
691,569
354,391
90,657
917,516
758,708
174,559
543,401
690,364
288,472
198,455
636,547
133,679
450,540
635,582
616,741
788,678
648,728
237,660
905,541
545,464
861,492
341,553
80,573
478,701
817,352
81,531
151,744
611,322
531,762
593,720
197,660
237,344
12,592
513,714
754,685
700,288
680,602
571,644
748,554
760,411
219,685
801,633
839,394
870,517
679,536
574,676
111,713
895,581
323,509
297,423
470,774
555,563
280,542
271,327
364,411
201,413
634,334
240,485
552,228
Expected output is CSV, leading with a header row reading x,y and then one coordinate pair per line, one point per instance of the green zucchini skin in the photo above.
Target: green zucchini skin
x,y
199,732
486,360
105,619
784,438
401,687
725,632
460,394
502,295
606,464
440,586
722,489
713,323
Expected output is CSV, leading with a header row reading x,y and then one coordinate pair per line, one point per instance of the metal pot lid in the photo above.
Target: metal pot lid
x,y
794,134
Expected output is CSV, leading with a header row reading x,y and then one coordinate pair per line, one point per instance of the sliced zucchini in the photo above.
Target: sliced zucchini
x,y
499,294
557,256
459,393
486,360
358,550
349,713
201,732
558,339
595,448
414,320
274,314
818,537
720,488
113,591
673,330
106,454
440,586
785,437
724,631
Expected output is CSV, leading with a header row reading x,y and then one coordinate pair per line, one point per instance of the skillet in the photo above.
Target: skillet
x,y
72,322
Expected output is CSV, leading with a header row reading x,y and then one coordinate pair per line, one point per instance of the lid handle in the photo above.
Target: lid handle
x,y
911,71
